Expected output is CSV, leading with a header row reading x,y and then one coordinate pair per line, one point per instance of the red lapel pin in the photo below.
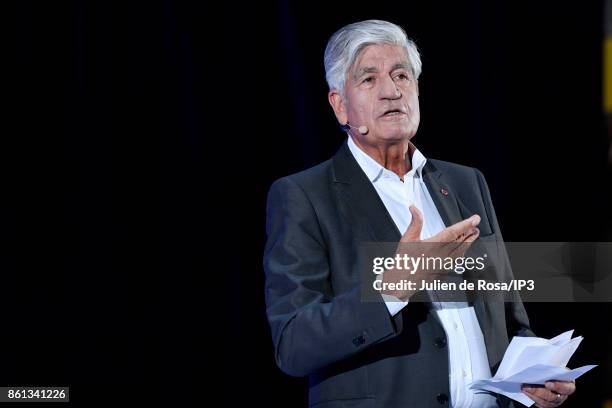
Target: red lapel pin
x,y
444,191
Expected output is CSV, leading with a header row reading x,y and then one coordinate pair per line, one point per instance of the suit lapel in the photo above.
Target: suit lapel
x,y
359,201
442,194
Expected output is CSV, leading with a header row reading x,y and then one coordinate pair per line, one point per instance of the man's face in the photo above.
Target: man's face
x,y
380,93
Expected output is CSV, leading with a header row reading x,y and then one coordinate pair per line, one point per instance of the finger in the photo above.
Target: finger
x,y
469,229
561,387
544,396
541,392
540,402
413,233
472,236
459,248
458,230
467,238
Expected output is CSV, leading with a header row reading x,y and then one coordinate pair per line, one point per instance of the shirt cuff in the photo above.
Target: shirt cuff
x,y
394,304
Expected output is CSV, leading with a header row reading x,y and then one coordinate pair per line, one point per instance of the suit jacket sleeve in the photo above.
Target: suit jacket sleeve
x,y
311,325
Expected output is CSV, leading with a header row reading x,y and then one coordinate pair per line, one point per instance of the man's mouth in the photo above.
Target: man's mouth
x,y
393,112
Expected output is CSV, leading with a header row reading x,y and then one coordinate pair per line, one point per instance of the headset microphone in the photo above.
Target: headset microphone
x,y
362,129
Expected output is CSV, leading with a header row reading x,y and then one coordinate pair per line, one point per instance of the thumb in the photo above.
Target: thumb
x,y
413,233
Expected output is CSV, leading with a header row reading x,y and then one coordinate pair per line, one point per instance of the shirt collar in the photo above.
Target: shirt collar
x,y
375,170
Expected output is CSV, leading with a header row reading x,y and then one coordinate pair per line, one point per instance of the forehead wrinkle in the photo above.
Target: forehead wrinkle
x,y
401,65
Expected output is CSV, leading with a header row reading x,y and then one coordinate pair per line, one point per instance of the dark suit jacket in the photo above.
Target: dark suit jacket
x,y
354,352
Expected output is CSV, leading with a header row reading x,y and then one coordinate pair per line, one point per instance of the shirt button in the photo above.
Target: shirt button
x,y
464,373
455,326
358,341
440,342
442,398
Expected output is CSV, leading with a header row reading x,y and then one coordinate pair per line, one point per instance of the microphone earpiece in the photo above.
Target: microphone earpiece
x,y
362,129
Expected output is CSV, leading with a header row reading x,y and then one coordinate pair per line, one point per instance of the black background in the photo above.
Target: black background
x,y
141,138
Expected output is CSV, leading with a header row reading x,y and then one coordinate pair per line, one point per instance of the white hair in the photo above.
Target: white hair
x,y
344,47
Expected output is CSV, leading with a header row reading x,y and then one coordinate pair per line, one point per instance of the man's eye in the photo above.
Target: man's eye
x,y
368,80
403,77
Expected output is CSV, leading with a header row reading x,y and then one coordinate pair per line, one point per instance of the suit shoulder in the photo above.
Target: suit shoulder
x,y
310,178
455,169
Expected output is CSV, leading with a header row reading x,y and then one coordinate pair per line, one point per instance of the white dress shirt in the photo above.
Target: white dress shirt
x,y
467,352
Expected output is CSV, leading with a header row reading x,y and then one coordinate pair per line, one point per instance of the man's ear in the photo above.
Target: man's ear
x,y
337,103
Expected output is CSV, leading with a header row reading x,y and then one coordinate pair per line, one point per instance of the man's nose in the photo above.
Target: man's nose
x,y
389,89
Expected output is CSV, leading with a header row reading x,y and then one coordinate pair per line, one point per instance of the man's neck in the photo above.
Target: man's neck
x,y
395,157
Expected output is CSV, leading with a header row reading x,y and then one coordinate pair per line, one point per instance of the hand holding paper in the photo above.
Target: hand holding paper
x,y
533,360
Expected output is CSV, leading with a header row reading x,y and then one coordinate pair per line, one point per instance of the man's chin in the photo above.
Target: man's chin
x,y
397,135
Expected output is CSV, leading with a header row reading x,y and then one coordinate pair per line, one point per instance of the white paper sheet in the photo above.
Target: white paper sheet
x,y
533,360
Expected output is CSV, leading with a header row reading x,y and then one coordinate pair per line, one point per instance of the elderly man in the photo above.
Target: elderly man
x,y
379,187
